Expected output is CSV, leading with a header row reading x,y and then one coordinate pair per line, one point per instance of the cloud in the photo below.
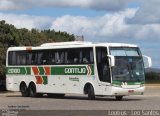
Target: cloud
x,y
110,26
111,5
148,13
6,5
27,21
11,5
106,5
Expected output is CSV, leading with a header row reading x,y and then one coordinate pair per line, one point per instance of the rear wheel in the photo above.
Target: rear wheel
x,y
91,94
119,98
32,90
24,90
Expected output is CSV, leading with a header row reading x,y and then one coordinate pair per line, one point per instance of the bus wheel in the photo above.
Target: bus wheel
x,y
24,90
32,90
119,98
91,95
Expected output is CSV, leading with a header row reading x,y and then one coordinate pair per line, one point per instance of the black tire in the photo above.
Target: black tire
x,y
91,95
32,90
2,88
55,95
24,90
119,98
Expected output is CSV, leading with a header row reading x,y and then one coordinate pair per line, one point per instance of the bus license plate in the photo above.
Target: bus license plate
x,y
130,91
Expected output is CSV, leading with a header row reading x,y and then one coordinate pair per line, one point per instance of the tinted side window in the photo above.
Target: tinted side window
x,y
12,58
79,56
17,58
43,57
73,56
31,58
60,57
52,57
48,57
39,57
87,56
21,57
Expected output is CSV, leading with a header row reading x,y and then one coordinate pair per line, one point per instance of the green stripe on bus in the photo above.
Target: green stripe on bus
x,y
92,68
18,70
55,70
45,80
41,70
72,70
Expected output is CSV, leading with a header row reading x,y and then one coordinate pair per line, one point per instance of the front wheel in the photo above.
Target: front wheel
x,y
91,95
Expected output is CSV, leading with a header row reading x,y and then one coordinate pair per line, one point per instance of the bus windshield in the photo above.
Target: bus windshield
x,y
129,65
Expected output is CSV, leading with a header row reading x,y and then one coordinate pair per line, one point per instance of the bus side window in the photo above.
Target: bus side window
x,y
73,56
21,57
85,60
57,58
33,59
75,60
45,57
40,58
52,57
60,57
87,56
29,58
12,58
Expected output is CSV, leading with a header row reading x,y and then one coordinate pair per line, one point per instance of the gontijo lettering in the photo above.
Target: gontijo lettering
x,y
75,70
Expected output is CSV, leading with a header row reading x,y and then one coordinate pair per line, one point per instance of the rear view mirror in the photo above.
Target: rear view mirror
x,y
112,60
148,63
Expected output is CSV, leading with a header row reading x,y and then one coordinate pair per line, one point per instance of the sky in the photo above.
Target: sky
x,y
124,21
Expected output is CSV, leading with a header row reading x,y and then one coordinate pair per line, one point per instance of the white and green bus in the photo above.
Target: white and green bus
x,y
56,69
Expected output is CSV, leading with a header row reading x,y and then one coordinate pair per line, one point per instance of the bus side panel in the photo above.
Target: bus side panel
x,y
55,84
60,84
13,81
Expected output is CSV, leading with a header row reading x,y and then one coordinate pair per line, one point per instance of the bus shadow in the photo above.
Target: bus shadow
x,y
81,98
96,99
15,96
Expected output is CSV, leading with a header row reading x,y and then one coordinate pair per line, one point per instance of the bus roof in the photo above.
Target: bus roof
x,y
73,44
67,43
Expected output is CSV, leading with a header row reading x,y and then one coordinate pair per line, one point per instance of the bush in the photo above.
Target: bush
x,y
152,76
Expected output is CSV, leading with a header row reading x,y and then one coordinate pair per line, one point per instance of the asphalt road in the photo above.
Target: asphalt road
x,y
149,101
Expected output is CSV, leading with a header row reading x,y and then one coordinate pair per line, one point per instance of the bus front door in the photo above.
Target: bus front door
x,y
103,69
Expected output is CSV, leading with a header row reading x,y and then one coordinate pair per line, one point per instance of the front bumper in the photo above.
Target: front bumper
x,y
116,91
